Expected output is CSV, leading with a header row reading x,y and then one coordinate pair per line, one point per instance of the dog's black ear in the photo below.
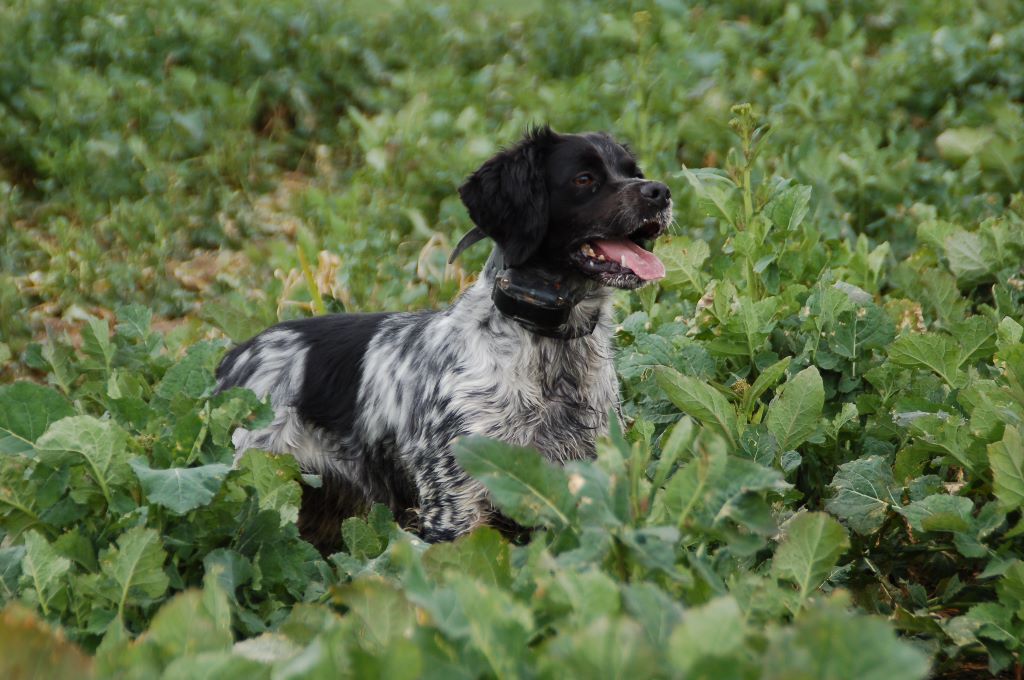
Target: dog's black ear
x,y
507,198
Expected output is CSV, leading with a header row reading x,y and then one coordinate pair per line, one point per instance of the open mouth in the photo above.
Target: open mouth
x,y
623,262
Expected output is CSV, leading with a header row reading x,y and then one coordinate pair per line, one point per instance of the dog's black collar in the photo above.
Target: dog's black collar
x,y
539,300
542,302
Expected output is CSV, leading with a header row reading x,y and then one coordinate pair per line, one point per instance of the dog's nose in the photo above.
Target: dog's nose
x,y
656,193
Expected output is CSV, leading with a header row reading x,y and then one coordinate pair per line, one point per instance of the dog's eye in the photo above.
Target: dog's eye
x,y
584,179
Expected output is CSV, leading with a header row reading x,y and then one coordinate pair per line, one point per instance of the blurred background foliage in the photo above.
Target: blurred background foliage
x,y
173,154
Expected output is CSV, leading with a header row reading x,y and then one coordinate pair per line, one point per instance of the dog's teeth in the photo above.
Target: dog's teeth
x,y
587,250
622,260
601,258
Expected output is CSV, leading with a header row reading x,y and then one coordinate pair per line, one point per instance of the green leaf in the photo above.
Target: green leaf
x,y
96,342
45,571
683,259
135,567
603,648
717,628
829,642
765,381
192,622
192,377
10,571
361,541
959,144
717,195
134,322
497,626
698,399
1007,460
794,413
687,488
234,317
864,492
970,259
482,555
811,548
180,489
938,353
101,445
788,208
380,609
26,411
940,512
275,478
522,483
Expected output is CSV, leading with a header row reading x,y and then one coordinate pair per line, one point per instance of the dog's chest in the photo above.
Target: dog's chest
x,y
551,395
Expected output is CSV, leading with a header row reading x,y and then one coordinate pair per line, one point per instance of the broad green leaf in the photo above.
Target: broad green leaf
x,y
232,665
231,568
959,144
275,478
698,399
1008,332
657,611
830,642
970,259
101,445
381,610
788,207
717,195
717,628
1007,460
180,489
683,259
45,571
794,413
234,317
687,488
864,492
940,512
990,620
135,567
521,482
26,411
134,322
976,336
361,541
605,648
1011,588
192,377
938,353
482,555
192,622
810,549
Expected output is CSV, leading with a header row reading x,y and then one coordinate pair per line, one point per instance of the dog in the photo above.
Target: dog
x,y
373,402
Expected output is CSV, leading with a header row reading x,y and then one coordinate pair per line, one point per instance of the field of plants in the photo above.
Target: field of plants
x,y
823,470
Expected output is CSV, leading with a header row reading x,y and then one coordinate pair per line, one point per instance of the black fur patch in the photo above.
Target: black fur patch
x,y
334,365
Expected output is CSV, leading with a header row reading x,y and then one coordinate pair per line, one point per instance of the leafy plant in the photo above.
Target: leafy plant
x,y
822,474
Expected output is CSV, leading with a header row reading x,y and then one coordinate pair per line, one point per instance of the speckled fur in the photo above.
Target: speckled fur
x,y
428,378
374,402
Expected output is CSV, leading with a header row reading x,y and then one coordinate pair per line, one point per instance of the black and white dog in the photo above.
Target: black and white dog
x,y
373,402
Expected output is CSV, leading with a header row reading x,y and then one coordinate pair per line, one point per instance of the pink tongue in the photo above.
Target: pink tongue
x,y
644,264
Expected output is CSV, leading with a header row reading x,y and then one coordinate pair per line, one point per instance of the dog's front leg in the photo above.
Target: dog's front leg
x,y
451,502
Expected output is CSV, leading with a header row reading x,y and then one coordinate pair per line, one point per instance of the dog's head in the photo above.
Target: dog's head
x,y
570,201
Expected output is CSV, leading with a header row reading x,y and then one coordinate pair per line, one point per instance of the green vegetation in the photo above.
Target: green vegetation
x,y
824,474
